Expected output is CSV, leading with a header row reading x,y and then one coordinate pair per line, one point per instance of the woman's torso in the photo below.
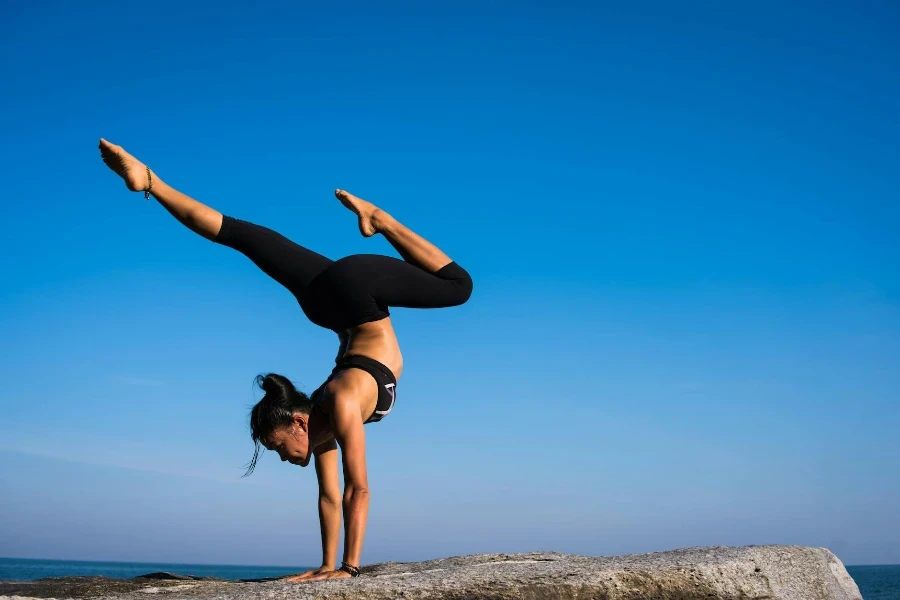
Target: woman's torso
x,y
377,341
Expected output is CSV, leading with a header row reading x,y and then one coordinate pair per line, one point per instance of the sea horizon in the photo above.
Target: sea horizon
x,y
30,569
146,562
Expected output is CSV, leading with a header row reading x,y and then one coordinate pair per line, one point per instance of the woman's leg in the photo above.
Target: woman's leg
x,y
290,264
198,217
412,247
428,278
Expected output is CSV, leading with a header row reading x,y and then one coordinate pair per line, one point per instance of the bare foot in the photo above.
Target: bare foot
x,y
133,171
370,216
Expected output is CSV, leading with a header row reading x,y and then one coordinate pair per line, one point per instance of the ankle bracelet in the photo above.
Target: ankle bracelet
x,y
348,568
149,185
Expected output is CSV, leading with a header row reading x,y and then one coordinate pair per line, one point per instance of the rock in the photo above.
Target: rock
x,y
165,575
745,573
77,587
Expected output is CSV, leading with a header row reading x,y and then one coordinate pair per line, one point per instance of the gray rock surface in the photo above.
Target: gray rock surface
x,y
744,573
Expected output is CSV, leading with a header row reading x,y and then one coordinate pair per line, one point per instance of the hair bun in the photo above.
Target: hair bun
x,y
266,383
272,383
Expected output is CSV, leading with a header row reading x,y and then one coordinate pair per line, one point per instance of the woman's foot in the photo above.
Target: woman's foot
x,y
370,216
133,171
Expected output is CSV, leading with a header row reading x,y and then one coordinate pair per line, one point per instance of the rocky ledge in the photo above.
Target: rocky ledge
x,y
733,573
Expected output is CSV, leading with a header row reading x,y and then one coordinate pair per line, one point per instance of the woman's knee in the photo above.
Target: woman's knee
x,y
462,284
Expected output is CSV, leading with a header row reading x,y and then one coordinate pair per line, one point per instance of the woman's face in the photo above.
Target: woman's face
x,y
291,443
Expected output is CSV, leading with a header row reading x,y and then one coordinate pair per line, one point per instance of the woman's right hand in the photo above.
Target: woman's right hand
x,y
308,574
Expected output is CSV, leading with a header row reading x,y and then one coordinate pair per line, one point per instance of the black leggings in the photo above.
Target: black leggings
x,y
350,291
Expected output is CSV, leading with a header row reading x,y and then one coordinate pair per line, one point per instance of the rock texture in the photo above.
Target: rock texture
x,y
752,572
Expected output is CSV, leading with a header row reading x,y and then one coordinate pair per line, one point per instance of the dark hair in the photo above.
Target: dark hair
x,y
276,409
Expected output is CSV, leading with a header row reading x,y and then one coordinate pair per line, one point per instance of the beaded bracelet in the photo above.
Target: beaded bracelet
x,y
149,186
348,568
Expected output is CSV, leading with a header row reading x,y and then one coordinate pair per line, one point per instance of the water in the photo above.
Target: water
x,y
880,582
23,569
875,582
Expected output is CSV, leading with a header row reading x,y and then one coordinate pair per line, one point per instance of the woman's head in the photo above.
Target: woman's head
x,y
279,421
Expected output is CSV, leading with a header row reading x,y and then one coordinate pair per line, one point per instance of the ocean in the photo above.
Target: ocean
x,y
27,569
881,582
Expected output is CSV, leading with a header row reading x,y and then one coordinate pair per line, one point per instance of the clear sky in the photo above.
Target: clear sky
x,y
681,219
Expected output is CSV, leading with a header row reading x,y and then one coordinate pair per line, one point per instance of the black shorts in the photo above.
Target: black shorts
x,y
387,383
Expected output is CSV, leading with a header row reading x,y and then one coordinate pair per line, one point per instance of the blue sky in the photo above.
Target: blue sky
x,y
681,222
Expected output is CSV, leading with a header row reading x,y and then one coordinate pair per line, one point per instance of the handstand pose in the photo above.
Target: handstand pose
x,y
351,296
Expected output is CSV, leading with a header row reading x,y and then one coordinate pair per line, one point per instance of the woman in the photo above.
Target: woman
x,y
351,296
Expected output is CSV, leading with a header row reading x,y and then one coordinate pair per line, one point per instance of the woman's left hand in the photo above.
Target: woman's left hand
x,y
305,576
339,574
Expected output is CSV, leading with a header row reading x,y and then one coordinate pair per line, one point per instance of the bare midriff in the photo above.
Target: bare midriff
x,y
377,341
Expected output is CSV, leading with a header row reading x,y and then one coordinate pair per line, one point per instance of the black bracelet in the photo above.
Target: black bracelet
x,y
348,568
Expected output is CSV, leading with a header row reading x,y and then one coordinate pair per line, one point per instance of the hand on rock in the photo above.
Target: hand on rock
x,y
339,574
308,575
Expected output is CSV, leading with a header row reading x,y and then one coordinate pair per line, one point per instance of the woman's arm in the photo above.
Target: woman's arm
x,y
329,511
329,501
347,425
350,435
